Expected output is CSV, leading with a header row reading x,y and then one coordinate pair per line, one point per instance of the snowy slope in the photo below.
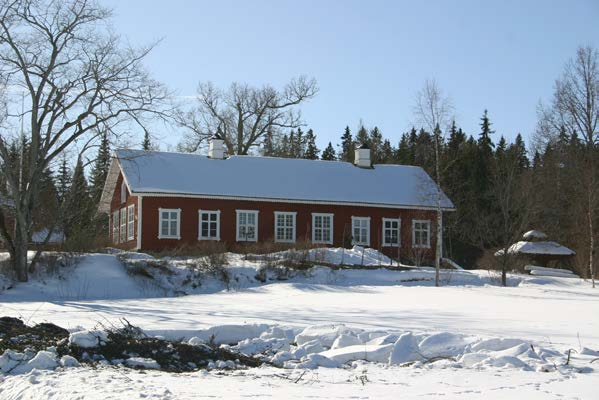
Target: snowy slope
x,y
97,276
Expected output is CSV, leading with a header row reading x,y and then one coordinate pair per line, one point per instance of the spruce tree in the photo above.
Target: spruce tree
x,y
485,142
387,153
63,180
520,150
78,209
312,151
404,152
347,146
329,153
375,143
100,169
268,145
146,145
362,137
501,148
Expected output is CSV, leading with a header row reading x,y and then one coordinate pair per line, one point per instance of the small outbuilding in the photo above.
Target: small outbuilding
x,y
537,250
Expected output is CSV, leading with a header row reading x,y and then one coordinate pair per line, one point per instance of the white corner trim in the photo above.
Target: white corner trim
x,y
139,221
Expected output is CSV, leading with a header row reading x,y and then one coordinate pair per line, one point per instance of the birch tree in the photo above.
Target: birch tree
x,y
432,109
76,78
575,108
243,114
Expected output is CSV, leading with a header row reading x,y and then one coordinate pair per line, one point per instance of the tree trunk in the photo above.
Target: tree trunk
x,y
504,262
439,241
591,235
19,258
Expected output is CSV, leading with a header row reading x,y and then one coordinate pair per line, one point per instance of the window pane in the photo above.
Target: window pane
x,y
173,228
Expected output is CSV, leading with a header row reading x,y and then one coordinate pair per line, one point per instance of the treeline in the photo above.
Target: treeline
x,y
65,206
499,188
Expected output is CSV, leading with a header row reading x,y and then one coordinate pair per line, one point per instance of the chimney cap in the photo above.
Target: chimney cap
x,y
363,146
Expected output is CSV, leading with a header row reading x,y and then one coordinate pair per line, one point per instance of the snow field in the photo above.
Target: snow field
x,y
352,333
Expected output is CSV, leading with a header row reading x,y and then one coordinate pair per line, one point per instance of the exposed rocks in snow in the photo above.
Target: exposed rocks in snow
x,y
322,346
46,346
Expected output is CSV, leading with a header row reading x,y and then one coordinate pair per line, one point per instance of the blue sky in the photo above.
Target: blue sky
x,y
369,57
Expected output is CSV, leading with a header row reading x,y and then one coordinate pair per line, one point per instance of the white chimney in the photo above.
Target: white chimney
x,y
217,147
362,156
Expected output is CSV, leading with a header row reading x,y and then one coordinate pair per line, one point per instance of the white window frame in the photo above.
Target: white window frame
x,y
398,220
131,222
123,192
116,226
123,227
208,212
293,215
237,226
170,236
428,230
361,242
314,215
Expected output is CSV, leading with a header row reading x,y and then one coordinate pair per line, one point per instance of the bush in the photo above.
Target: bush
x,y
200,249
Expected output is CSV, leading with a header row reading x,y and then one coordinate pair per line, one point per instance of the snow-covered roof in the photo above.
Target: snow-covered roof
x,y
539,248
276,179
534,234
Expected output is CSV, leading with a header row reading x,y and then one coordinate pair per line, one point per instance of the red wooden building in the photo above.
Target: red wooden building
x,y
159,200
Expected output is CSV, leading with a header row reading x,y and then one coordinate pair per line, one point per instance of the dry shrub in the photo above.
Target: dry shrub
x,y
56,263
199,249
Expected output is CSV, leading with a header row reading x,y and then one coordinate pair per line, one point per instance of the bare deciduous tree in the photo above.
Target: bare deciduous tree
x,y
77,78
511,188
575,107
244,114
432,109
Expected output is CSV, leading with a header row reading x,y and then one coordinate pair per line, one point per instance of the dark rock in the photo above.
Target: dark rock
x,y
10,325
50,329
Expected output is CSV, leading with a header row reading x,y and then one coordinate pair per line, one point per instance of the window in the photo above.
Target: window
x,y
322,228
209,228
115,226
123,192
391,229
360,230
131,222
169,223
285,227
421,233
123,232
247,226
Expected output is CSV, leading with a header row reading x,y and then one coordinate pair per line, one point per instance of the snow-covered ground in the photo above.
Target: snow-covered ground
x,y
553,314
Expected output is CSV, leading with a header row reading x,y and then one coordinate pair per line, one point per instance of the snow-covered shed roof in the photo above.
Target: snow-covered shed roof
x,y
534,235
271,179
538,248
